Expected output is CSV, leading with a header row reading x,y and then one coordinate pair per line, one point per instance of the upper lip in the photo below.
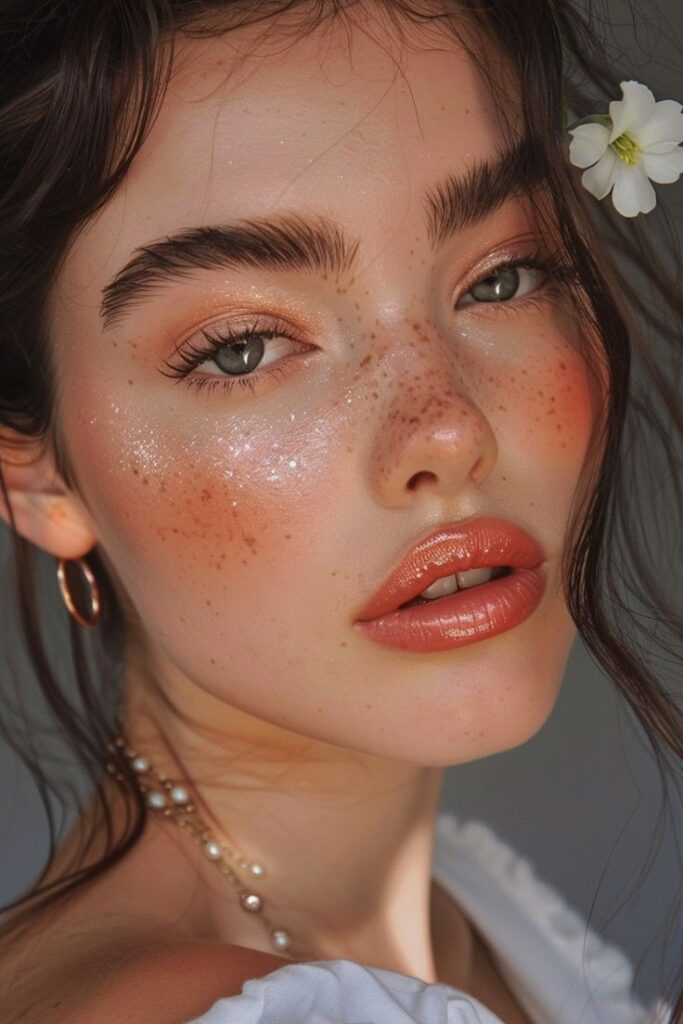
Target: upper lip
x,y
454,547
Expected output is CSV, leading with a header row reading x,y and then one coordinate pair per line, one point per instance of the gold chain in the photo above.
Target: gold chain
x,y
173,800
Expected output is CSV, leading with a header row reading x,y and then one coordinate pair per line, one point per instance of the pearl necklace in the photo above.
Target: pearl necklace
x,y
176,803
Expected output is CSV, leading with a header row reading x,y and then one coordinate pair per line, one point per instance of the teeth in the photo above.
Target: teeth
x,y
440,588
461,581
473,577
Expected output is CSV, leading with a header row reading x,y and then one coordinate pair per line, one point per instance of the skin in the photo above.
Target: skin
x,y
246,530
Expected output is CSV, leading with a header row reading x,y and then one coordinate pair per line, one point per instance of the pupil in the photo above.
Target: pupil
x,y
497,287
240,356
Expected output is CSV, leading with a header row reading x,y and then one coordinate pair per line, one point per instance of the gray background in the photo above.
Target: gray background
x,y
581,798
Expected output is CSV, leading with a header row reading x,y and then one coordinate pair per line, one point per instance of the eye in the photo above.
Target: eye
x,y
505,283
240,355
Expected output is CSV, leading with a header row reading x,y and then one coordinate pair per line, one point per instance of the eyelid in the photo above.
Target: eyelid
x,y
236,322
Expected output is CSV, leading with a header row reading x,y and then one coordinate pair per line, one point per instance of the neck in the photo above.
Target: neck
x,y
346,839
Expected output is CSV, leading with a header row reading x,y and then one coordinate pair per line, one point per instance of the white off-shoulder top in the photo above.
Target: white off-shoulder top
x,y
560,970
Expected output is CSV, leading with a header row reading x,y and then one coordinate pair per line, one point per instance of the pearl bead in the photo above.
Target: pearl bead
x,y
179,795
140,764
212,850
281,939
156,800
257,870
250,901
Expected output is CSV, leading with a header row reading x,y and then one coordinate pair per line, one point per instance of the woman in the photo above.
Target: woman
x,y
365,216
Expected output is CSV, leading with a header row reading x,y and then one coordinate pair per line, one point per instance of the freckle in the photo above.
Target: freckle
x,y
130,381
136,471
115,344
208,602
245,562
288,536
365,361
551,412
563,366
145,481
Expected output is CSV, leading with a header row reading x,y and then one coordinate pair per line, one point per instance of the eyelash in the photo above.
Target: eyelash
x,y
552,263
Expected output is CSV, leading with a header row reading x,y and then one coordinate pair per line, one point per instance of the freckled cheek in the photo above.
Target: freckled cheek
x,y
217,497
548,431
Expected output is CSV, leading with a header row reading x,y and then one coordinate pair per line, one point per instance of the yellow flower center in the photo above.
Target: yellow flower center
x,y
626,148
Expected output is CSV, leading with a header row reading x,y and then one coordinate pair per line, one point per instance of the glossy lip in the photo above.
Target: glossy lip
x,y
484,542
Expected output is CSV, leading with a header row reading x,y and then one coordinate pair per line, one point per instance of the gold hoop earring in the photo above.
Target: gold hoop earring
x,y
96,607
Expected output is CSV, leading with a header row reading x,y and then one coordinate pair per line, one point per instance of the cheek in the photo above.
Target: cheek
x,y
543,408
192,515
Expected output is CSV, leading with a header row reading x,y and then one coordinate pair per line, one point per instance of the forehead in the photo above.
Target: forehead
x,y
351,120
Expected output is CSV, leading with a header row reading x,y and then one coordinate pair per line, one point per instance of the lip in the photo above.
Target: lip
x,y
484,542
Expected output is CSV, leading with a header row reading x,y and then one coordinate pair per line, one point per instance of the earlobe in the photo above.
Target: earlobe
x,y
44,510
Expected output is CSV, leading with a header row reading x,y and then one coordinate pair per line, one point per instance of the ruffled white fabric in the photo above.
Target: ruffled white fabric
x,y
344,992
560,970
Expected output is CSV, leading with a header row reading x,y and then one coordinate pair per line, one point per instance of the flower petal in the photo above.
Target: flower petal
x,y
631,113
589,142
664,168
664,127
599,179
633,193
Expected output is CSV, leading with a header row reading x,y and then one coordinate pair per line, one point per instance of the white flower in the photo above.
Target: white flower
x,y
637,141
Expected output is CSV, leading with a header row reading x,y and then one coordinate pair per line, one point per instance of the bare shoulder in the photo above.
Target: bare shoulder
x,y
167,984
173,984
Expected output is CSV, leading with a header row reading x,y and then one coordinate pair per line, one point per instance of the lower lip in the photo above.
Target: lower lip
x,y
461,618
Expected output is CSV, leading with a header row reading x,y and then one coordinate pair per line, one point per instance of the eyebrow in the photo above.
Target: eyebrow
x,y
459,202
294,242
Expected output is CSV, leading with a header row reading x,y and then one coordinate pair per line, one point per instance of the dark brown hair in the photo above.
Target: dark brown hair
x,y
79,88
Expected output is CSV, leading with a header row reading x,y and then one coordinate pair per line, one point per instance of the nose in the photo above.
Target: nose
x,y
434,442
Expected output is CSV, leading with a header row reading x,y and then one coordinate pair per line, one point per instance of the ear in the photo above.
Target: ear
x,y
45,511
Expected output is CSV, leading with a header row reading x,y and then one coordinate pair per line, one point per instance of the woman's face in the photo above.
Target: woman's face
x,y
249,525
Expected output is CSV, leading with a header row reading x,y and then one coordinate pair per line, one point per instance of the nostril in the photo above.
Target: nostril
x,y
413,482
